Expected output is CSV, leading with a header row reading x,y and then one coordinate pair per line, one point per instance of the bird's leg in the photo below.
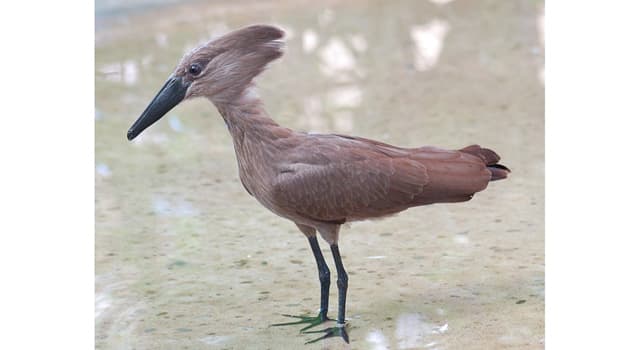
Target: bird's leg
x,y
324,275
343,283
340,330
325,281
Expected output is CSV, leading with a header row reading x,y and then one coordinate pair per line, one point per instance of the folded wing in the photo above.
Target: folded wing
x,y
333,178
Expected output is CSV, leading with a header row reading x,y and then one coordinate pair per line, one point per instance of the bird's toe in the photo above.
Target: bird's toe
x,y
331,332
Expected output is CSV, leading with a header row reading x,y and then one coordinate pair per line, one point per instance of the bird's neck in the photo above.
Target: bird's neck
x,y
257,138
248,120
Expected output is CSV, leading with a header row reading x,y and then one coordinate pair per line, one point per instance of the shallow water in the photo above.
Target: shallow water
x,y
185,259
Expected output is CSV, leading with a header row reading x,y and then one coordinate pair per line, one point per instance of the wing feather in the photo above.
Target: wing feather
x,y
334,178
340,182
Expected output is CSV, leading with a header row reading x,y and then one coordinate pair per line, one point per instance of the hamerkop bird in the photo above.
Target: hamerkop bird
x,y
317,181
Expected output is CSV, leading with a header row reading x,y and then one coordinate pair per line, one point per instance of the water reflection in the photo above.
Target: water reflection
x,y
111,71
326,17
147,60
339,65
348,96
103,170
103,302
377,340
163,206
413,331
337,60
309,40
428,40
130,72
162,40
215,339
461,239
126,72
175,123
359,42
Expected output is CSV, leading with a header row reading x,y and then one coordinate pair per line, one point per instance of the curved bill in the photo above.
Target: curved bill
x,y
169,96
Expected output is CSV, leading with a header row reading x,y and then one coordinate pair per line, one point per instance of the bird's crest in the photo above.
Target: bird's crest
x,y
230,62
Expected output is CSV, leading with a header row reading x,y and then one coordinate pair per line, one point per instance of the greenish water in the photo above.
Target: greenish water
x,y
185,259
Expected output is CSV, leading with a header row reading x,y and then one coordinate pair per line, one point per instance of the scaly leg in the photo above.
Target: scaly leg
x,y
343,281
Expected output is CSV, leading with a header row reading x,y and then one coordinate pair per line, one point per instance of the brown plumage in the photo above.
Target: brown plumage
x,y
317,181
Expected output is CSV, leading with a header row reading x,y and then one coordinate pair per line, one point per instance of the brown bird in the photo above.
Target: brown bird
x,y
317,181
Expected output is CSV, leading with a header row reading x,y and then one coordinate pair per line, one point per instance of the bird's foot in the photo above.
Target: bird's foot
x,y
339,330
311,320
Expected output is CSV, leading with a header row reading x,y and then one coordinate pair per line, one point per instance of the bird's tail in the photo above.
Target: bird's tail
x,y
491,159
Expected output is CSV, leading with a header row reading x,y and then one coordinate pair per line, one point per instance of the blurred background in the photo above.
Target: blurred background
x,y
185,259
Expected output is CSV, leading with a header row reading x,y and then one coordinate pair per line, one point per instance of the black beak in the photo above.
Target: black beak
x,y
169,96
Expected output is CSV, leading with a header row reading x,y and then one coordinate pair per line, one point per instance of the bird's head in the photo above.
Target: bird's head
x,y
220,70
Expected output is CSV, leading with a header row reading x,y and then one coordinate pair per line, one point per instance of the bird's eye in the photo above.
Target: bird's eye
x,y
195,69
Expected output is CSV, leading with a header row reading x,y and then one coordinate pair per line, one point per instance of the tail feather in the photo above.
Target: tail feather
x,y
498,171
491,159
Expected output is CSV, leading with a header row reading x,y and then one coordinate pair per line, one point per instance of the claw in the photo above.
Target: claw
x,y
337,331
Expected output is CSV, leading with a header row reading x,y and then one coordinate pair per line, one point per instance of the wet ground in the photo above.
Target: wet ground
x,y
185,259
